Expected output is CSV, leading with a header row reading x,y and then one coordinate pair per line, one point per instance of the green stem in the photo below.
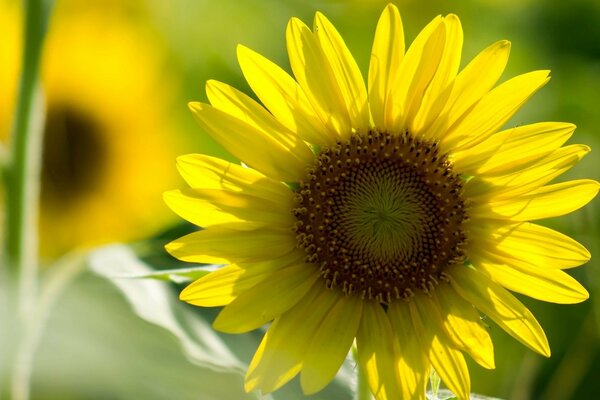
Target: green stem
x,y
60,275
362,387
21,182
22,171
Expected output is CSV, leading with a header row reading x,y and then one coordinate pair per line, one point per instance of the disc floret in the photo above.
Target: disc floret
x,y
381,215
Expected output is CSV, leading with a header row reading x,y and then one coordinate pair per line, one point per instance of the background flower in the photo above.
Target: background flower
x,y
107,135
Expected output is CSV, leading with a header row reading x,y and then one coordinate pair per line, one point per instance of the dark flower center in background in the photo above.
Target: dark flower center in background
x,y
381,215
74,155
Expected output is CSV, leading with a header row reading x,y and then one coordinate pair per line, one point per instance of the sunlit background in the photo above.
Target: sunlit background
x,y
117,76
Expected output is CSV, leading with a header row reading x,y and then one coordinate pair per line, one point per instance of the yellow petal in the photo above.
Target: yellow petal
x,y
464,326
282,95
470,85
524,146
468,161
244,108
495,301
330,344
545,202
222,286
316,78
528,244
440,87
279,356
280,157
376,346
416,71
222,244
205,172
198,211
411,361
493,110
551,285
267,299
386,56
345,71
447,360
206,207
525,180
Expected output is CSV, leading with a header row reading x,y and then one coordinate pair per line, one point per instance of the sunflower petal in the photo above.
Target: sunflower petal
x,y
267,300
447,361
386,56
205,172
206,207
316,78
527,244
244,108
222,286
376,347
416,71
412,365
494,110
464,326
348,77
495,301
281,157
198,211
524,146
527,179
280,354
330,344
440,87
471,85
545,202
551,285
282,95
222,244
469,160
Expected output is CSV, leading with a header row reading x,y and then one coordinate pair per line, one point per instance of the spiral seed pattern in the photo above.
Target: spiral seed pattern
x,y
381,215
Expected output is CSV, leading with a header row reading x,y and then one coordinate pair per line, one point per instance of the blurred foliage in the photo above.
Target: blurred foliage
x,y
162,53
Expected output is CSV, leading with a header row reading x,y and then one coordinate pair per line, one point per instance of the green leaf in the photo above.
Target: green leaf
x,y
434,380
178,275
445,394
155,302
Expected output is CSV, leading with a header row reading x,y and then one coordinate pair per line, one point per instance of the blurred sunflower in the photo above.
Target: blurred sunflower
x,y
386,213
102,171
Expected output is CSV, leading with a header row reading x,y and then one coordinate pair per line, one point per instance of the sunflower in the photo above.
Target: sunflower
x,y
388,214
102,173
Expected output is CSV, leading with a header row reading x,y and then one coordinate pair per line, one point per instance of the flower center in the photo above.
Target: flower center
x,y
74,155
381,215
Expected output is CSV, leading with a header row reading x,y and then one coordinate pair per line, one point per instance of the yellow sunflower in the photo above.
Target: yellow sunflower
x,y
102,170
389,214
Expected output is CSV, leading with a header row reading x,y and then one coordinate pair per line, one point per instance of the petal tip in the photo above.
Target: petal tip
x,y
195,106
186,294
311,384
391,7
504,43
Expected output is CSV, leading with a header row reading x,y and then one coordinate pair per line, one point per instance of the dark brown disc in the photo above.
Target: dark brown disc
x,y
381,215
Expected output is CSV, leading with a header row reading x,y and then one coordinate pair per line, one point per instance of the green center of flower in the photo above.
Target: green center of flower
x,y
381,216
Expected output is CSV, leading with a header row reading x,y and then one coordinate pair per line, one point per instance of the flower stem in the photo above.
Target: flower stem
x,y
22,170
21,182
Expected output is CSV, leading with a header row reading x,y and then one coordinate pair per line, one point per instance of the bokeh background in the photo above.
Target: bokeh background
x,y
117,75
